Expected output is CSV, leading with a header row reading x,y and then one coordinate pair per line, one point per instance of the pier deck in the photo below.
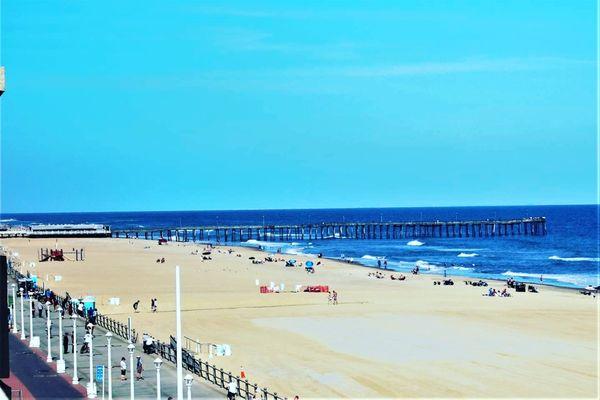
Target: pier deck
x,y
348,230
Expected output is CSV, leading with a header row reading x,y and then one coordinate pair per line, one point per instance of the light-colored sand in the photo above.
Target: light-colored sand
x,y
385,338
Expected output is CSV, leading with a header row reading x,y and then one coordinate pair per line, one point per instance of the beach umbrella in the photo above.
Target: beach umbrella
x,y
251,258
309,264
206,253
292,261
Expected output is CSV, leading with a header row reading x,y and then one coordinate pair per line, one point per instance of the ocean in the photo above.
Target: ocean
x,y
567,256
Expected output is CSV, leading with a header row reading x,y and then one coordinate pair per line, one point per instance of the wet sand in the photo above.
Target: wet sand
x,y
385,339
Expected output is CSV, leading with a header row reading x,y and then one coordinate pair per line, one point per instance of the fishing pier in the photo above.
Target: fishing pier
x,y
534,226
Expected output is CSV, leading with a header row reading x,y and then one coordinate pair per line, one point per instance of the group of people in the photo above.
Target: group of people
x,y
139,369
332,298
500,293
153,305
148,343
377,274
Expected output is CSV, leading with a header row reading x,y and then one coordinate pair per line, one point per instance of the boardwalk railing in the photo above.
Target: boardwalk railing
x,y
535,226
213,374
116,327
209,372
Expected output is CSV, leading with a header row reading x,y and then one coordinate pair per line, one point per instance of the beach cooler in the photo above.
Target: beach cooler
x,y
89,303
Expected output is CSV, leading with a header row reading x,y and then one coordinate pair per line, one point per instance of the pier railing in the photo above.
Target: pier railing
x,y
213,374
535,226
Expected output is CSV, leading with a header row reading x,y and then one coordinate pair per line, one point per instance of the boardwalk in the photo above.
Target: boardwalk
x,y
348,230
143,389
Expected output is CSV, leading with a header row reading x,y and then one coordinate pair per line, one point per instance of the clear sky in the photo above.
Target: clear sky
x,y
156,105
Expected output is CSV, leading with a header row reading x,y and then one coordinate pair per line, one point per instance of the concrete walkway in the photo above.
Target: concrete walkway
x,y
144,389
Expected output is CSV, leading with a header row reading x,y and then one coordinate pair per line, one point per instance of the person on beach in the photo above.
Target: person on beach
x,y
329,298
139,369
384,264
135,306
40,308
335,298
123,366
378,263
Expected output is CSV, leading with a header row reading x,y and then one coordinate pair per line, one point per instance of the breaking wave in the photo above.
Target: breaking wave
x,y
467,255
574,279
557,258
370,257
415,243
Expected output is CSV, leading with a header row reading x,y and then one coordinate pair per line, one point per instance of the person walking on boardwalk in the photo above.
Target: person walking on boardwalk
x,y
139,369
65,343
123,366
40,308
232,389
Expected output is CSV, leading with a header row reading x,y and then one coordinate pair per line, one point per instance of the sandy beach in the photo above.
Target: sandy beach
x,y
385,338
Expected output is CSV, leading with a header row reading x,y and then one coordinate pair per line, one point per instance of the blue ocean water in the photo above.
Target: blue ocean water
x,y
567,256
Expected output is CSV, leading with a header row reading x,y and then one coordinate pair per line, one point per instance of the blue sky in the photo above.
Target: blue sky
x,y
197,105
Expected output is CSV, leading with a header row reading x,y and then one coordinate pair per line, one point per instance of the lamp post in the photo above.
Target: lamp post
x,y
109,364
34,341
75,380
157,364
49,357
14,308
131,349
60,364
179,353
22,317
91,387
188,383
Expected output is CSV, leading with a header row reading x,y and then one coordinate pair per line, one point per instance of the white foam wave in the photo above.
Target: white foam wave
x,y
425,266
574,279
557,258
370,257
467,255
453,250
462,268
415,243
8,220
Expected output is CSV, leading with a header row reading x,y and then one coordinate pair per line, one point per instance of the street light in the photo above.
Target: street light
x,y
14,309
157,364
49,357
109,363
75,380
91,386
60,364
188,383
131,349
22,317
